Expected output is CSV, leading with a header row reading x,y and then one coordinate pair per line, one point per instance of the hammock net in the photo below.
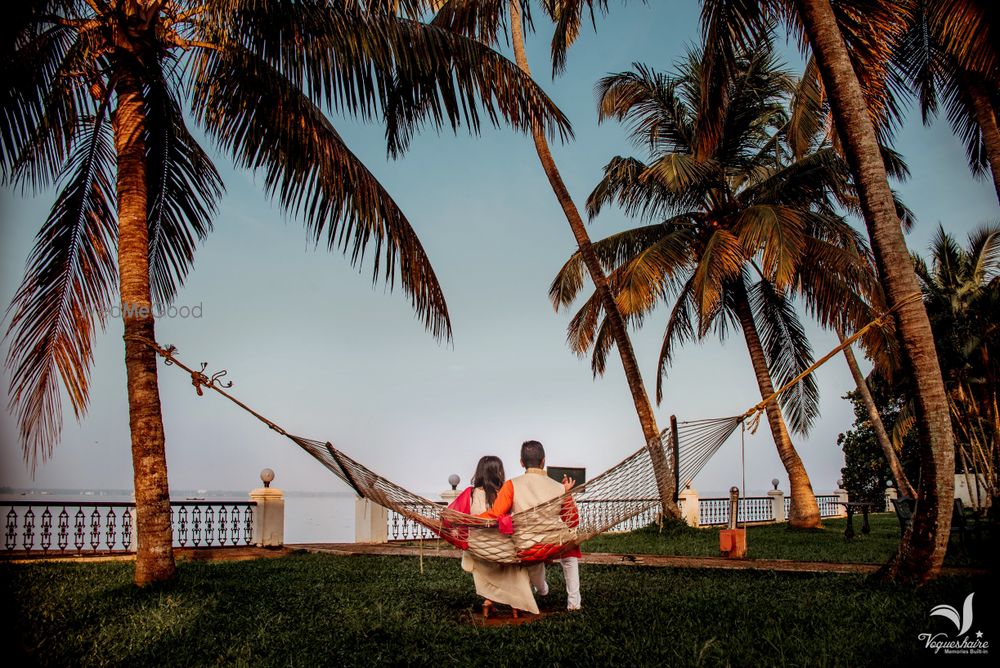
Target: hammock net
x,y
539,533
547,530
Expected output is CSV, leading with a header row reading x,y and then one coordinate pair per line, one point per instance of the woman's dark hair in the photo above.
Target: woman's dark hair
x,y
490,476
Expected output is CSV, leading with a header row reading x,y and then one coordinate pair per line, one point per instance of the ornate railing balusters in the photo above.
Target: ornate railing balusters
x,y
95,530
63,539
182,526
828,506
222,525
78,521
196,526
46,530
127,529
29,529
109,532
108,527
248,525
10,537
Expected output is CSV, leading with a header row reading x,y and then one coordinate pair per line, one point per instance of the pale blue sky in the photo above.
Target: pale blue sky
x,y
311,344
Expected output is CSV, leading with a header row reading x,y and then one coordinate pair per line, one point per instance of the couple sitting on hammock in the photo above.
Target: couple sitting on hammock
x,y
541,535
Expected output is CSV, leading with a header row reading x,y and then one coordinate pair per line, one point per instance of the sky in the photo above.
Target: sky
x,y
310,343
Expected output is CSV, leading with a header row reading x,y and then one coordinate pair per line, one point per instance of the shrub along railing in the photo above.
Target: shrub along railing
x,y
75,527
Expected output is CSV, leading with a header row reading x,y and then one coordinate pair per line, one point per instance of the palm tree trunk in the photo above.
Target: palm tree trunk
x,y
155,557
804,512
898,474
923,547
664,471
986,117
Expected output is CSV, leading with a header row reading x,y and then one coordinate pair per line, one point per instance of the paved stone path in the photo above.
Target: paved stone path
x,y
434,549
437,549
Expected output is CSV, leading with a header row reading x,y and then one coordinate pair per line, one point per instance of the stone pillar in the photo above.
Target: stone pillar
x,y
690,511
269,516
841,499
890,494
777,504
371,522
133,546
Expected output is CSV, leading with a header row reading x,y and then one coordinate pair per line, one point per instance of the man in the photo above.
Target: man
x,y
541,534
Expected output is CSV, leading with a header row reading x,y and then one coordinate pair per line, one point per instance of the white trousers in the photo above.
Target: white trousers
x,y
571,573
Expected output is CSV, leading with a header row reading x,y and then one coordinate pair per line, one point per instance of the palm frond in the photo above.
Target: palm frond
x,y
453,80
777,234
984,253
809,123
604,343
788,354
68,285
368,61
730,28
614,251
648,103
568,282
650,274
482,20
679,329
922,61
42,104
872,30
568,15
583,325
969,31
267,124
183,188
721,260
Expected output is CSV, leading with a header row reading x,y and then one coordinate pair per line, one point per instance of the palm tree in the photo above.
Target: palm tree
x,y
875,417
932,60
852,88
483,19
745,224
94,99
962,292
923,547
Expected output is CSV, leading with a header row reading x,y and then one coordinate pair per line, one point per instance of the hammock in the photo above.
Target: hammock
x,y
545,531
540,533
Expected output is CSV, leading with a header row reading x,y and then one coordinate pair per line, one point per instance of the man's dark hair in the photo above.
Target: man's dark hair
x,y
532,454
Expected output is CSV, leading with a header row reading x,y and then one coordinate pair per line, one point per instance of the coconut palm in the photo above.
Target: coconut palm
x,y
852,42
889,450
923,547
740,226
98,97
962,292
483,19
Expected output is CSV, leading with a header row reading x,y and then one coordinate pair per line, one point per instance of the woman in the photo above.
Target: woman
x,y
495,582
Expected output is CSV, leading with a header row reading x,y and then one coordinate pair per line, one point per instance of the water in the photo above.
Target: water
x,y
319,518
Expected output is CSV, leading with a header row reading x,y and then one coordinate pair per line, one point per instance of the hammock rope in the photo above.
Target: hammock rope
x,y
605,501
622,492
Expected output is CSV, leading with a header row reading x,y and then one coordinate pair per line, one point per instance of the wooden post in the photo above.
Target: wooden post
x,y
733,541
677,456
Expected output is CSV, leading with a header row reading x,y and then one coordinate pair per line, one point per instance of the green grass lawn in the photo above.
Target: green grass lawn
x,y
309,610
778,541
